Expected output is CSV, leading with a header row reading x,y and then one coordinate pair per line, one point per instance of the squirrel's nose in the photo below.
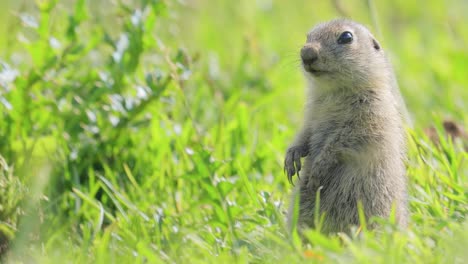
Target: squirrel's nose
x,y
309,54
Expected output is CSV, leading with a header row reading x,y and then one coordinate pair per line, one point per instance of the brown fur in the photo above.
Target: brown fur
x,y
353,138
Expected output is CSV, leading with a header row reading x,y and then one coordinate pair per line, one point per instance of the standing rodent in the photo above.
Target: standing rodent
x,y
353,136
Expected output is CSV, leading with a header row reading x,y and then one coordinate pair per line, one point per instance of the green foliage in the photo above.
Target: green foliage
x,y
154,131
12,194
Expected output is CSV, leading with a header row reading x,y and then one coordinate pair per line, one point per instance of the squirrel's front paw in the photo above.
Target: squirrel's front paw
x,y
292,162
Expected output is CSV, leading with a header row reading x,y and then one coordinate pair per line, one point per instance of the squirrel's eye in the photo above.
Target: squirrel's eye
x,y
345,38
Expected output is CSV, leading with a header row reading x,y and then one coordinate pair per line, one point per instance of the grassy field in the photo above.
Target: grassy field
x,y
155,131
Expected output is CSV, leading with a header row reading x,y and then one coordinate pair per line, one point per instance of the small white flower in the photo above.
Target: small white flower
x,y
189,151
54,43
137,17
29,21
7,75
122,45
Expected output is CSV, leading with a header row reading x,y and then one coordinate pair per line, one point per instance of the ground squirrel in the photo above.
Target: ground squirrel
x,y
353,136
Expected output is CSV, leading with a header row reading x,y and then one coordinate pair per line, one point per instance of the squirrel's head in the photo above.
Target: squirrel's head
x,y
345,52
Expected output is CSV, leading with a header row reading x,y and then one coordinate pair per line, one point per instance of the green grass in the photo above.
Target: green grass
x,y
167,145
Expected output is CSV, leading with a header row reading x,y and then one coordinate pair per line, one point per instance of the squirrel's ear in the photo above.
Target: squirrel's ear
x,y
375,44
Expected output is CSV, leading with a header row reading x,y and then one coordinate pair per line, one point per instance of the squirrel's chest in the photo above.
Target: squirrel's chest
x,y
350,123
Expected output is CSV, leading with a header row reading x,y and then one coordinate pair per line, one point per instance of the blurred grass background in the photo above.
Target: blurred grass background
x,y
154,131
